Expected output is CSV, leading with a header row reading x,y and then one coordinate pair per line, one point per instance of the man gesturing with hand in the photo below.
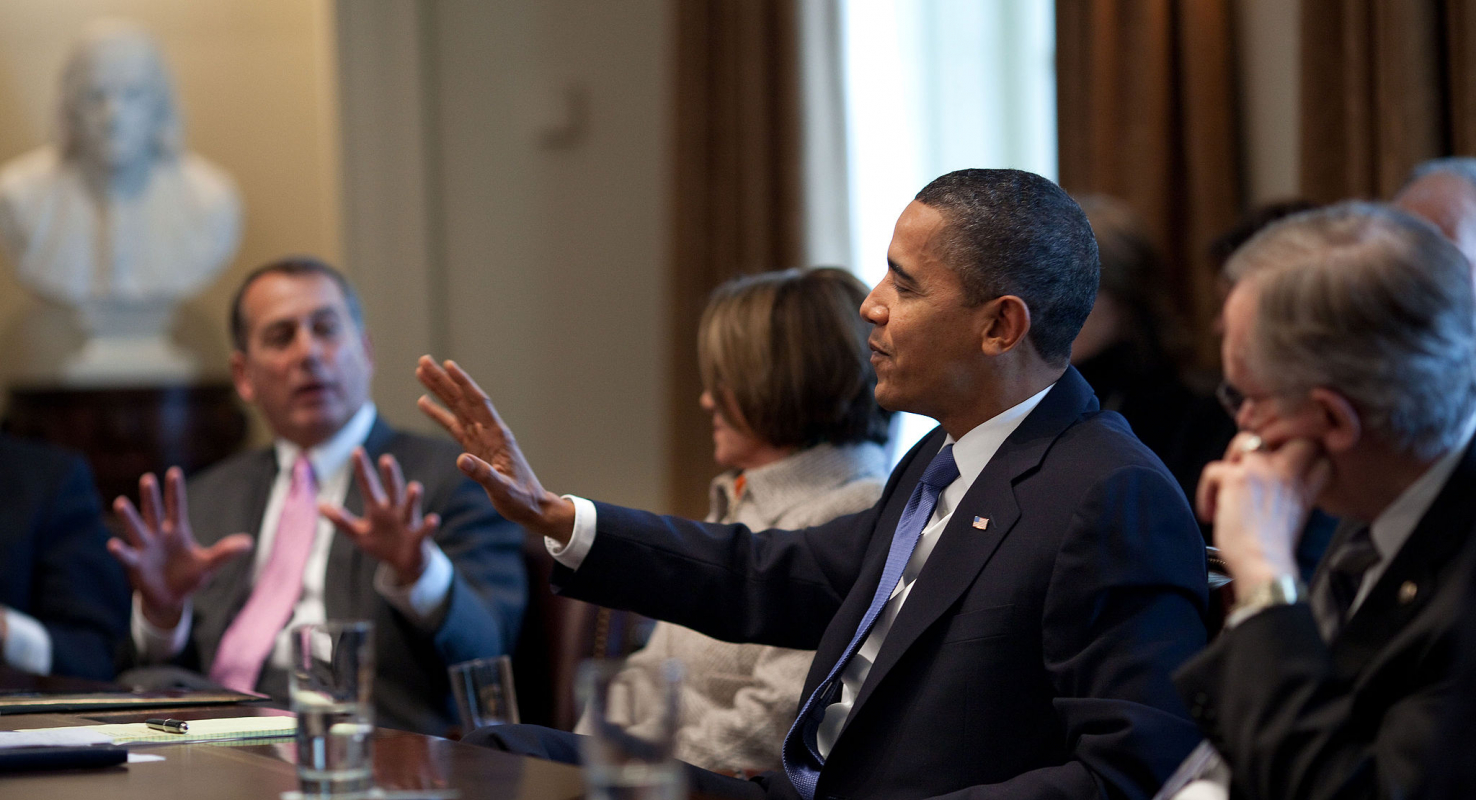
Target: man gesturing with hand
x,y
334,528
1003,622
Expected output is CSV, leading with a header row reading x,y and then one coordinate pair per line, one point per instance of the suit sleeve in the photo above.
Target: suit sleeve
x,y
1123,610
768,587
80,594
1267,694
484,607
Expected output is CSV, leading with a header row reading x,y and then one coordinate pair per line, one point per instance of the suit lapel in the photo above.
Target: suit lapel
x,y
1423,563
853,607
350,576
236,574
231,587
963,550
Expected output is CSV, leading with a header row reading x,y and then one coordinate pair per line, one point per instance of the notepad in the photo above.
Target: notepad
x,y
201,730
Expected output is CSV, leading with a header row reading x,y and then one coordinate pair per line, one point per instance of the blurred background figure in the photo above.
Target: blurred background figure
x,y
1133,347
63,600
1443,191
115,219
1209,427
787,381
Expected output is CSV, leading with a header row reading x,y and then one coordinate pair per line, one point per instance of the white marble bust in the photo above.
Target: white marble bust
x,y
115,219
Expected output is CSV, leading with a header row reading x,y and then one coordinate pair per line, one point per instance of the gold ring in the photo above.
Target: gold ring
x,y
1253,444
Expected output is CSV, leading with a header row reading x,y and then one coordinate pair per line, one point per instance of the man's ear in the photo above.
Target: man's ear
x,y
238,377
1341,427
1006,322
368,346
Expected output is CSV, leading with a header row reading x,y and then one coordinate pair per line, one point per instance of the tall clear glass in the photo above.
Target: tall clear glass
x,y
617,765
331,681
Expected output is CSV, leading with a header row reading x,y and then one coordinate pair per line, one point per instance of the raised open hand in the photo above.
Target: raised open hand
x,y
392,528
164,562
492,456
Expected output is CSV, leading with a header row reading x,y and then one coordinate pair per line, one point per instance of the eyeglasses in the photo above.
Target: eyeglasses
x,y
1231,398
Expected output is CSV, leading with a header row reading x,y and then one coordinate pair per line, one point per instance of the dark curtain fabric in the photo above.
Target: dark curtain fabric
x,y
1385,84
1147,113
736,205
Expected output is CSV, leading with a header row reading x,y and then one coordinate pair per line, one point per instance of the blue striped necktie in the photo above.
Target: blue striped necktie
x,y
801,757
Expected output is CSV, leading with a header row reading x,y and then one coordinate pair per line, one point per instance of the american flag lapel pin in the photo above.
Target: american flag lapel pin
x,y
982,523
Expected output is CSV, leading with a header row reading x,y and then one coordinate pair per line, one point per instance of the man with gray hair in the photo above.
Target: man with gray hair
x,y
1443,191
1348,361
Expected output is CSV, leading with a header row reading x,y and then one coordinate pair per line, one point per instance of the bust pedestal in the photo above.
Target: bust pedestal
x,y
125,432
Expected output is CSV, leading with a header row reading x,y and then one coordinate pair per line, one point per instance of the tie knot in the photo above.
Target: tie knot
x,y
1356,555
942,470
302,471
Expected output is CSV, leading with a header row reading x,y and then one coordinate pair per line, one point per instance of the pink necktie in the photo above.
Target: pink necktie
x,y
249,639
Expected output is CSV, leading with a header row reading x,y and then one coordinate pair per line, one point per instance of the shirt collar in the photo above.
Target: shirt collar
x,y
775,488
330,456
1395,524
973,452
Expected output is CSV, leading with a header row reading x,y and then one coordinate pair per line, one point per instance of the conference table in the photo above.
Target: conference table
x,y
263,770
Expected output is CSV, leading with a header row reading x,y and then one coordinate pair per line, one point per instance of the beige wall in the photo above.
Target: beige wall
x,y
490,221
255,81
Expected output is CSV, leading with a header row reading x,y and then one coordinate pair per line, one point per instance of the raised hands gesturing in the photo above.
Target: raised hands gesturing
x,y
492,456
164,562
391,528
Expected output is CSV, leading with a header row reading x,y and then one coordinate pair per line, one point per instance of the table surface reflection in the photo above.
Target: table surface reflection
x,y
262,771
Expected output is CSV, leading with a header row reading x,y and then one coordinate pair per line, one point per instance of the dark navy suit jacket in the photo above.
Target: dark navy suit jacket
x,y
54,563
1031,659
1297,717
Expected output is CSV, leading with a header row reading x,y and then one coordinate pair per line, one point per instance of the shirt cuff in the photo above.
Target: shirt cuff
x,y
572,554
423,602
157,645
27,643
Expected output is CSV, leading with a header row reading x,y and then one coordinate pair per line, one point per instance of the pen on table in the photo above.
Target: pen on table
x,y
169,725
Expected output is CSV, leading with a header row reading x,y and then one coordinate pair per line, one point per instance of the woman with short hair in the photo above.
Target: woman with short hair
x,y
787,379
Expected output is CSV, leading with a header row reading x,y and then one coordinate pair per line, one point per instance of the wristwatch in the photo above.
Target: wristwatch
x,y
1282,590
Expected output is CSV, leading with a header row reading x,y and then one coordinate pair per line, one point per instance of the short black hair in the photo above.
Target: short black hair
x,y
292,265
1014,232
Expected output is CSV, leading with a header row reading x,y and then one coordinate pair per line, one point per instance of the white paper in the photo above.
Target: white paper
x,y
52,737
135,757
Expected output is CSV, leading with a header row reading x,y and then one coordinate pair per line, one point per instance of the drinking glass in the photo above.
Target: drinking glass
x,y
330,683
618,765
484,692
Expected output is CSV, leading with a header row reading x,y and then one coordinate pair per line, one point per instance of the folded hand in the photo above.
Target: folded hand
x,y
1259,502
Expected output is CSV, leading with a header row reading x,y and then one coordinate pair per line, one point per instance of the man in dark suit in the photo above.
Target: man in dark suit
x,y
1003,623
63,602
1348,353
442,587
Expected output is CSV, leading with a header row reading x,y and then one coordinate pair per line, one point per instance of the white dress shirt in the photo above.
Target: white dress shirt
x,y
27,643
972,453
423,602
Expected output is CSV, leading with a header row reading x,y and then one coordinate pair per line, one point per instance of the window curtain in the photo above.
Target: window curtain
x,y
737,196
1385,84
1146,106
